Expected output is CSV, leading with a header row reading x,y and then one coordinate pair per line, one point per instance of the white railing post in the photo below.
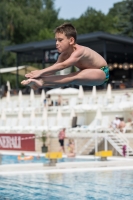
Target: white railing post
x,y
105,143
96,143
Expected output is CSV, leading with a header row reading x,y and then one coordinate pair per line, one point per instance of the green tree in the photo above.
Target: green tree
x,y
24,21
49,18
124,24
91,21
113,14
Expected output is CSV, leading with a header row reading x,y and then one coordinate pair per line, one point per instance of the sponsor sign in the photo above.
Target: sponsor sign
x,y
24,142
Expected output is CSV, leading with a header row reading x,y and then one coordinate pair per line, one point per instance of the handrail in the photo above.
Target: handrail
x,y
120,134
116,146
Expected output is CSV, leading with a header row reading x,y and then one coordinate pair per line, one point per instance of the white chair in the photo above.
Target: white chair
x,y
22,123
9,107
115,104
40,125
2,125
124,103
100,100
72,102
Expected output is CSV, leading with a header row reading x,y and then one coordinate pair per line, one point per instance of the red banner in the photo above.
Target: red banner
x,y
24,142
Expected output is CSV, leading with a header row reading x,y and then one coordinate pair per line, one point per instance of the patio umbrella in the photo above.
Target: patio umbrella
x,y
56,91
32,116
109,92
20,96
43,96
8,86
70,91
3,115
81,92
98,117
8,96
98,114
94,92
72,114
45,116
32,96
20,114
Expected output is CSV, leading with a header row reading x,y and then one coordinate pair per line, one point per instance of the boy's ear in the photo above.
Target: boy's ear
x,y
72,41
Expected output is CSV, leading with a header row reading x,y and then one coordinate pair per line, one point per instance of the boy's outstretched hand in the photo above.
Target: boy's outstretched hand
x,y
34,74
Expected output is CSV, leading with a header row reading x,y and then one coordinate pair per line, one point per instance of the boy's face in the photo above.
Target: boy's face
x,y
62,42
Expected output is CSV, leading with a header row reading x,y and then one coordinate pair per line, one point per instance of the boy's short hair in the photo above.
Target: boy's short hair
x,y
68,29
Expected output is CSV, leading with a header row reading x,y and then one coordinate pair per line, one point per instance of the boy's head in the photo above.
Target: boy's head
x,y
65,36
68,29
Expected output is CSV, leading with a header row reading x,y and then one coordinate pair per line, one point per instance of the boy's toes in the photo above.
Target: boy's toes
x,y
23,82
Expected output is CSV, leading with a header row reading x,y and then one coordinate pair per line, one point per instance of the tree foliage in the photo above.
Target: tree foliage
x,y
24,21
124,23
91,21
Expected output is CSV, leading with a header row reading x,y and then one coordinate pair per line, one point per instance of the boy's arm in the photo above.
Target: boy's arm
x,y
59,65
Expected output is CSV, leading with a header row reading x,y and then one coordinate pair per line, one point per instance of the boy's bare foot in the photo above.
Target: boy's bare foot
x,y
33,83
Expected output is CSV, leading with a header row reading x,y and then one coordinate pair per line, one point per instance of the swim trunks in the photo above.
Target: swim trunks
x,y
105,69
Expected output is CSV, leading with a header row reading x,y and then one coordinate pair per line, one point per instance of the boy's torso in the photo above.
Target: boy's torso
x,y
88,59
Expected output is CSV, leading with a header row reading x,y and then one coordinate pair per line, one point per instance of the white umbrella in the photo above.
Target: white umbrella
x,y
56,91
59,117
20,114
72,114
32,96
109,92
45,116
20,96
70,91
3,115
81,92
43,96
32,116
94,92
98,114
8,96
8,86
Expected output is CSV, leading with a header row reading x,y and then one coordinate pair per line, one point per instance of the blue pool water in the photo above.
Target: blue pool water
x,y
12,159
95,185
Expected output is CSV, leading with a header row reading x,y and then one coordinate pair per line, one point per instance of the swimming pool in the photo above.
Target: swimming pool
x,y
94,185
12,159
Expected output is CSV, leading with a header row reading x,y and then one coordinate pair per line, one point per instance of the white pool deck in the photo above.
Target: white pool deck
x,y
112,163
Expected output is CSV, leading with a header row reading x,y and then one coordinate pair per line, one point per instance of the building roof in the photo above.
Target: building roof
x,y
84,38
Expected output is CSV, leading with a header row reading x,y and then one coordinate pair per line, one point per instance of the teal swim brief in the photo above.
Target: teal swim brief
x,y
105,69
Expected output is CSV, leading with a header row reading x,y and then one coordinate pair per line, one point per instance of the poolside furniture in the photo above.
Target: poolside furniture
x,y
104,154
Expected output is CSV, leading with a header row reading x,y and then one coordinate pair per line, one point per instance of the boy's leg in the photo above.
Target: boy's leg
x,y
88,77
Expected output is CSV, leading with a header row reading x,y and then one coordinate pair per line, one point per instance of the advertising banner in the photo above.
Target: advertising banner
x,y
24,142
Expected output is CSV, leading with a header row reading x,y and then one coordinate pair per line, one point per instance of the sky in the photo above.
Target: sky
x,y
75,8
